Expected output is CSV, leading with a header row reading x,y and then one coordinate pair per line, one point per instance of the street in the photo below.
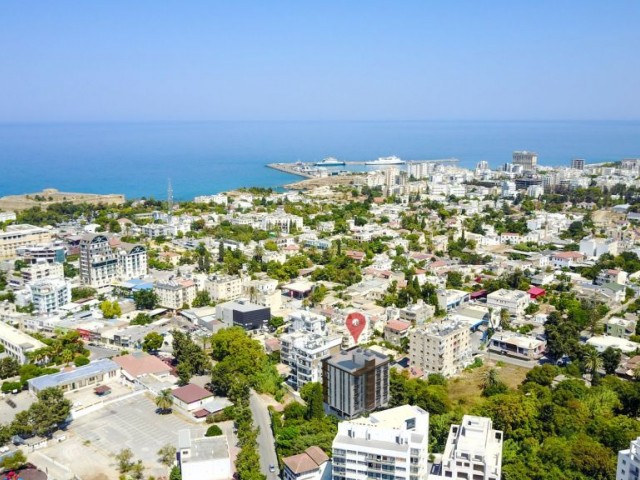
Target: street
x,y
266,442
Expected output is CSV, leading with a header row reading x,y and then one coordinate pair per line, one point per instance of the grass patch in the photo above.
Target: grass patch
x,y
465,389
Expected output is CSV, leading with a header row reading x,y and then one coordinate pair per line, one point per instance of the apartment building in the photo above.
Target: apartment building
x,y
443,348
18,344
566,259
391,444
281,221
527,160
14,237
49,295
473,451
175,293
395,331
224,287
592,247
53,252
304,352
514,301
101,264
355,382
41,270
629,462
312,464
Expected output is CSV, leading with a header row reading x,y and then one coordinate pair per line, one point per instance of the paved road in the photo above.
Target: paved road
x,y
266,442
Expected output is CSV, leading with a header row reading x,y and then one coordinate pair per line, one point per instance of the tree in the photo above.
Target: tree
x,y
110,309
185,372
9,367
141,319
202,299
203,258
15,461
79,293
164,401
136,472
167,455
611,359
491,383
311,393
80,361
175,474
317,294
125,460
213,431
592,362
505,318
152,342
145,299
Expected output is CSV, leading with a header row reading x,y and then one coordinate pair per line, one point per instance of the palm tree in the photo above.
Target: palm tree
x,y
593,361
66,356
164,401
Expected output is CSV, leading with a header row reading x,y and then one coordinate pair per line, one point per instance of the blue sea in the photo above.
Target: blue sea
x,y
137,159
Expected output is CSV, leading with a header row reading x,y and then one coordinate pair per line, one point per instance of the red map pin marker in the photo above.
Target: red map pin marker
x,y
355,324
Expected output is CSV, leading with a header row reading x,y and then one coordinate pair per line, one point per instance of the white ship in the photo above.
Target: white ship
x,y
330,162
393,160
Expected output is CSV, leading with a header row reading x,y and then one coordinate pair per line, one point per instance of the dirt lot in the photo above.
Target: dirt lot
x,y
466,389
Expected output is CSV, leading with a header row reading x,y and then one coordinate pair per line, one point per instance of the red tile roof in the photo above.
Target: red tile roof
x,y
398,325
191,393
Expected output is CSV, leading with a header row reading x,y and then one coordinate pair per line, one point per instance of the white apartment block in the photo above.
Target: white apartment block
x,y
595,247
101,265
23,235
18,344
49,295
7,216
174,294
473,451
443,348
515,301
304,352
391,444
279,220
224,287
629,462
42,270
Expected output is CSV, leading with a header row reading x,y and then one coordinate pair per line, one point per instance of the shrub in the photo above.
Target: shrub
x,y
80,361
213,431
11,386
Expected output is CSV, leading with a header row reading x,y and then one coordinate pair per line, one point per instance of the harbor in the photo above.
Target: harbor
x,y
321,168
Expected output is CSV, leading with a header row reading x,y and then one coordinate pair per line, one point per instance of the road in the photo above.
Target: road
x,y
266,442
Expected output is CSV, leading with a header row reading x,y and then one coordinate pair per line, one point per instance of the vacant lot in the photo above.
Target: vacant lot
x,y
467,388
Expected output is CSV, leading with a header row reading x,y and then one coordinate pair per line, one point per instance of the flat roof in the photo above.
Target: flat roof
x,y
56,379
17,337
354,359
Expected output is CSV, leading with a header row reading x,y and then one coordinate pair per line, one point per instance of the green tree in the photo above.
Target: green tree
x,y
152,342
311,393
79,293
611,359
15,461
164,401
80,361
145,299
110,309
167,455
125,460
203,258
202,299
9,367
213,431
141,319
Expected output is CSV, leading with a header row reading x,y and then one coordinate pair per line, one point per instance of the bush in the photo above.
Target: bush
x,y
11,386
80,361
213,431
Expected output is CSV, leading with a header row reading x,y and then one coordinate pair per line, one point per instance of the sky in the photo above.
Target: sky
x,y
155,60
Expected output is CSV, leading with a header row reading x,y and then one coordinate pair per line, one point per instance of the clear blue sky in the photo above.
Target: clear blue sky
x,y
323,60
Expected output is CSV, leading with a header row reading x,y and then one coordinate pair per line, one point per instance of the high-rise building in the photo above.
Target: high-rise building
x,y
355,381
629,462
528,160
101,264
443,348
577,163
473,451
392,444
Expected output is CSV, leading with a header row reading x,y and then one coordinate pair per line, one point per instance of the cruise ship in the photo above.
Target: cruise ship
x,y
393,160
330,162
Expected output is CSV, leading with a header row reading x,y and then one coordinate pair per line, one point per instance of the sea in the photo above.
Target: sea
x,y
202,158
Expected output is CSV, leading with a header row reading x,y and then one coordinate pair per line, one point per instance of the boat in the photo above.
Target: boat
x,y
330,162
392,160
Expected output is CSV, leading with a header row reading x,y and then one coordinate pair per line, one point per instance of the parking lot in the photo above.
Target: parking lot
x,y
22,401
130,423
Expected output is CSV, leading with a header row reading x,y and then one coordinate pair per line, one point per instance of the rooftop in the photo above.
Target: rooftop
x,y
92,369
191,393
354,359
311,459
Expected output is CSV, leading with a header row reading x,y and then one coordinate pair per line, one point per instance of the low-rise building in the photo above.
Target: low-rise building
x,y
516,345
94,374
312,464
417,313
205,458
396,330
224,287
389,444
566,259
594,247
14,237
18,344
473,451
443,348
621,327
243,314
191,397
